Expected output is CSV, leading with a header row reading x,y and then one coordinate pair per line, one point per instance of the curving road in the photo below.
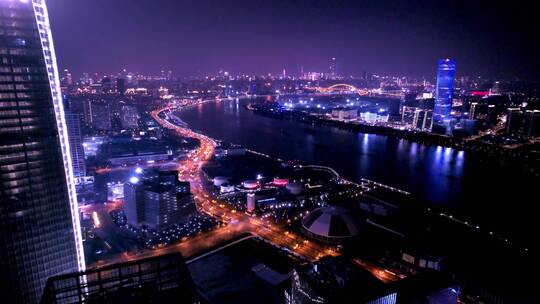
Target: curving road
x,y
235,223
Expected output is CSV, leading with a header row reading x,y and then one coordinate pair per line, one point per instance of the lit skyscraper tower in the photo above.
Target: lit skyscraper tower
x,y
443,93
40,234
333,68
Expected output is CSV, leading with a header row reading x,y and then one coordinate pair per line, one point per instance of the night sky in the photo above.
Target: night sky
x,y
255,36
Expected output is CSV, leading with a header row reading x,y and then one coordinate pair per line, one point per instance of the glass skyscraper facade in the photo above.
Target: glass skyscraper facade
x,y
73,124
39,223
443,93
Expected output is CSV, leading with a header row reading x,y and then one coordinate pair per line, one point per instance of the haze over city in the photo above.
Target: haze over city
x,y
401,38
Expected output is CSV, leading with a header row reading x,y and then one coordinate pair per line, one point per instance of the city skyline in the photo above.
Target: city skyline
x,y
287,152
246,37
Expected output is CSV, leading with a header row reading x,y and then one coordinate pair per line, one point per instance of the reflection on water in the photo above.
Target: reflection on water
x,y
457,180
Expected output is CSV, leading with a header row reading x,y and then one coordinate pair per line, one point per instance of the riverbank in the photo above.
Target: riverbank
x,y
428,139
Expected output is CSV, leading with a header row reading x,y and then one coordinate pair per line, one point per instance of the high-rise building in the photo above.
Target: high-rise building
x,y
393,109
40,234
472,110
407,115
443,93
121,85
514,121
423,119
158,199
532,123
129,117
160,206
250,202
523,122
106,85
67,79
101,116
73,123
333,68
134,202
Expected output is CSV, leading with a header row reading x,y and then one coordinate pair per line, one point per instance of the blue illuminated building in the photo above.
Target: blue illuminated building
x,y
443,94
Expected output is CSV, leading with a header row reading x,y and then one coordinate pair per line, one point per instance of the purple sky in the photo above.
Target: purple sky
x,y
255,36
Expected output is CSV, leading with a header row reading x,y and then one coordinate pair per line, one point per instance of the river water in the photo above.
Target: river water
x,y
498,195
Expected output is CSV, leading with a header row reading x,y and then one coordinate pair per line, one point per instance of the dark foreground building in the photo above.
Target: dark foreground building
x,y
39,226
339,280
160,279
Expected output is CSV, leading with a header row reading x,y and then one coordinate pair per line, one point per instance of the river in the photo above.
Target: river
x,y
498,195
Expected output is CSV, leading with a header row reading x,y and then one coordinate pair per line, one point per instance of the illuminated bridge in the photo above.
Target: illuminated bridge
x,y
342,88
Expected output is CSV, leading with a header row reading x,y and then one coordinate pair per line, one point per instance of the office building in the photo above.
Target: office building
x,y
514,121
532,123
106,85
134,202
121,86
333,68
250,202
443,93
408,115
423,119
160,206
40,235
393,109
156,198
101,116
129,117
73,123
472,110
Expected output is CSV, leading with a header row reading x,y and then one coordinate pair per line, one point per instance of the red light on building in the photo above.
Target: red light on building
x,y
480,93
281,182
250,184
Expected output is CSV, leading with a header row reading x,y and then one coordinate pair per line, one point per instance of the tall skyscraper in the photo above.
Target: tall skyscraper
x,y
443,93
333,68
40,234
